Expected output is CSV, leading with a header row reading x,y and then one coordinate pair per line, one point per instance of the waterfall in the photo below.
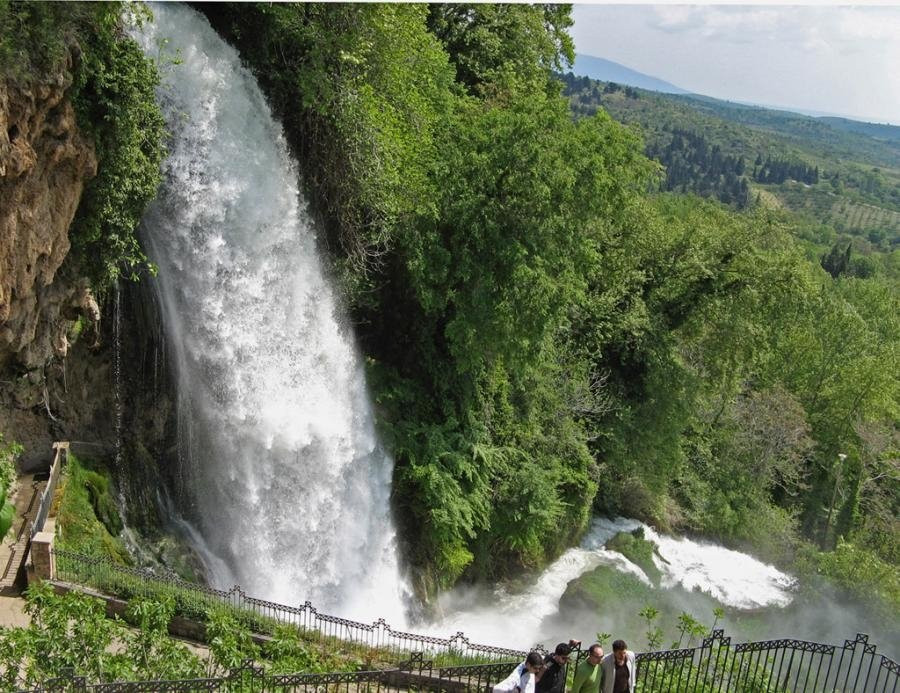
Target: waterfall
x,y
286,489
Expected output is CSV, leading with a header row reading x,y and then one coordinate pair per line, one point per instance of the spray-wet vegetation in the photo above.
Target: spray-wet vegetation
x,y
547,334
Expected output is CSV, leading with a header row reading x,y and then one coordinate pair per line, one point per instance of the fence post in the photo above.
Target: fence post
x,y
43,560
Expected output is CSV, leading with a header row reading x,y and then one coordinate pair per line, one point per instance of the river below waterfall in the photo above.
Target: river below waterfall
x,y
531,613
591,589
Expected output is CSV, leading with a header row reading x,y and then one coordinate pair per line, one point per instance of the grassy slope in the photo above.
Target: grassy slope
x,y
81,494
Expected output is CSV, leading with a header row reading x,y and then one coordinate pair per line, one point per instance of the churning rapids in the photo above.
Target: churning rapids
x,y
285,487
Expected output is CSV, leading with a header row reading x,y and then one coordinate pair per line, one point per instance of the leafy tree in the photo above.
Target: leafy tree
x,y
837,261
496,47
151,653
70,632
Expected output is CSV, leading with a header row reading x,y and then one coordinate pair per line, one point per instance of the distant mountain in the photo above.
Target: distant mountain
x,y
608,71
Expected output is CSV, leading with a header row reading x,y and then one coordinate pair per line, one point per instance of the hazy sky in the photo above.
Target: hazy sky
x,y
836,59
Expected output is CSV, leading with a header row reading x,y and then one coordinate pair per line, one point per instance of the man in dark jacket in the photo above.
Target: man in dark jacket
x,y
553,677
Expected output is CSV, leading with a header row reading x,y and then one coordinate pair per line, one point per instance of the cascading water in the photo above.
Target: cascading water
x,y
288,489
519,619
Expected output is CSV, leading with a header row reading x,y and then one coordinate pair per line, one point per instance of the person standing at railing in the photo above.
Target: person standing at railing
x,y
588,672
618,669
552,678
522,678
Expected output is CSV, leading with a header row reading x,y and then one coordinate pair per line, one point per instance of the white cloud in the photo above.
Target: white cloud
x,y
821,58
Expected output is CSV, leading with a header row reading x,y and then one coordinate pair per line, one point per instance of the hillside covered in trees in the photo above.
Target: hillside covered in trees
x,y
554,323
841,179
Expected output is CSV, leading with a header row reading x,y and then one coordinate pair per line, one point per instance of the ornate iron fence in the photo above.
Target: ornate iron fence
x,y
415,674
776,666
715,666
455,664
193,601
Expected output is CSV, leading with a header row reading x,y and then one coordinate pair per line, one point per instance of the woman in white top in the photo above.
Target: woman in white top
x,y
521,680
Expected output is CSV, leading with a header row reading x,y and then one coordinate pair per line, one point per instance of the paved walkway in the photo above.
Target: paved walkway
x,y
26,498
12,612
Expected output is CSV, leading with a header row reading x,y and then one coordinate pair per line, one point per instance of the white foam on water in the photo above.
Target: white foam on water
x,y
514,618
733,578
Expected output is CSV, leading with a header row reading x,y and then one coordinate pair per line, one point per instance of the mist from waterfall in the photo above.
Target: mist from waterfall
x,y
285,488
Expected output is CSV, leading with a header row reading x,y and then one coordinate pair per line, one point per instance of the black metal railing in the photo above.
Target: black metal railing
x,y
193,601
455,664
714,667
776,666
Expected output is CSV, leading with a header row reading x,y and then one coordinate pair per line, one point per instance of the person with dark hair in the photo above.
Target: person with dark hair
x,y
618,669
587,673
522,678
553,678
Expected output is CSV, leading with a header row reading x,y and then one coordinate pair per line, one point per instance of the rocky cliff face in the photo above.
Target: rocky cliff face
x,y
44,164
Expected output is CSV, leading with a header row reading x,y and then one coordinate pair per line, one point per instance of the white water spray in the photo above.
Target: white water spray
x,y
733,578
288,487
515,618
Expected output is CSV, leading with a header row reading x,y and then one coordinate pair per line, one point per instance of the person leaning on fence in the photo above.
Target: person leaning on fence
x,y
618,669
588,673
552,678
521,680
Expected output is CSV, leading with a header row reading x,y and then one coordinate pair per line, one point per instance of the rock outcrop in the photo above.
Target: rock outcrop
x,y
44,164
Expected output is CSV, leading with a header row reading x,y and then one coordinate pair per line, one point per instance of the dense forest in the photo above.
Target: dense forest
x,y
553,324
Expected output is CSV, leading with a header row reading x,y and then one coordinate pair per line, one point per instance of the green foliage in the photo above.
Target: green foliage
x,y
862,574
104,507
230,643
289,653
113,93
6,517
152,654
637,550
33,39
8,454
654,633
744,673
88,520
104,649
496,47
703,144
689,627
